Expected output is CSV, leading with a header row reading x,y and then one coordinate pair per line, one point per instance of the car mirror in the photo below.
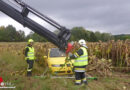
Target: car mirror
x,y
45,57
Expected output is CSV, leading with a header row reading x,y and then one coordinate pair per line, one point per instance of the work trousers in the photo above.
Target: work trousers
x,y
80,76
30,66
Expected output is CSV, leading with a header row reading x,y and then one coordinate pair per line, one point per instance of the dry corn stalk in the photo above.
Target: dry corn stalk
x,y
118,52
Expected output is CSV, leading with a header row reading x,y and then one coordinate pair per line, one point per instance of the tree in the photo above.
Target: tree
x,y
106,37
98,35
2,27
36,37
21,35
79,33
9,34
93,38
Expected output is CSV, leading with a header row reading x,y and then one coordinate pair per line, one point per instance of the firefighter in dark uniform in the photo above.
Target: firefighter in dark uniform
x,y
29,56
80,63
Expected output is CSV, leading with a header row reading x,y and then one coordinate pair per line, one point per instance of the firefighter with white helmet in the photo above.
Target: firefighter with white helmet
x,y
80,63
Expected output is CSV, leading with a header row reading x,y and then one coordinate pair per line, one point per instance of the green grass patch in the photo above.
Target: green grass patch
x,y
10,62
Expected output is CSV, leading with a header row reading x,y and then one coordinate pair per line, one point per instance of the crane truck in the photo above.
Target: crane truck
x,y
21,16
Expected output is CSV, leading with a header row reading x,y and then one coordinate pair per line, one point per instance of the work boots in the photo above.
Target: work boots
x,y
85,82
77,83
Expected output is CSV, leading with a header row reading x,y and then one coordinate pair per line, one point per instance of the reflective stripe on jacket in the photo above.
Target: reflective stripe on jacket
x,y
79,69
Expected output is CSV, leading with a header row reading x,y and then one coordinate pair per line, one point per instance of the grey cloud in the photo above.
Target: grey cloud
x,y
103,15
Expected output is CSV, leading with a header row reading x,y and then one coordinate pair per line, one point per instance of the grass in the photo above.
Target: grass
x,y
11,63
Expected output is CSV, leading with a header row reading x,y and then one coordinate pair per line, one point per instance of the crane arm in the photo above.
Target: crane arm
x,y
59,40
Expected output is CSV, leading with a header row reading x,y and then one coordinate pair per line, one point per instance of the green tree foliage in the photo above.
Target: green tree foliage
x,y
106,36
21,36
79,33
122,36
93,37
9,34
36,37
2,28
98,35
82,33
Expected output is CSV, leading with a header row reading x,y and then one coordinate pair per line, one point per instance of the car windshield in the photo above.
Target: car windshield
x,y
55,52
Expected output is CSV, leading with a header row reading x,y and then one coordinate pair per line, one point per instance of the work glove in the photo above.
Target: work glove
x,y
26,58
67,59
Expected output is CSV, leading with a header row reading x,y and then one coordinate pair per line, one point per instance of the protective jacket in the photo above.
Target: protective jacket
x,y
81,59
29,53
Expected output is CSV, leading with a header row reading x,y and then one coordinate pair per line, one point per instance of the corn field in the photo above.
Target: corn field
x,y
17,49
118,52
102,55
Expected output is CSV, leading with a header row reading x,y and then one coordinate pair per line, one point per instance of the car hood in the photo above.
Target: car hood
x,y
56,60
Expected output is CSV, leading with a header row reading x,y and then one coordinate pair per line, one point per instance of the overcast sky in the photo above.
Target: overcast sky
x,y
112,16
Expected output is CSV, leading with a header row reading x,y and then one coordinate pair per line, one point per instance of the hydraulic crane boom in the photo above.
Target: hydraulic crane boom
x,y
59,40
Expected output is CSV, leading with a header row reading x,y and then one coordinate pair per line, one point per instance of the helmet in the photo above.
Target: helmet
x,y
82,42
30,40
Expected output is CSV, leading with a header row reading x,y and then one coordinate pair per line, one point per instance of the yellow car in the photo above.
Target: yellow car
x,y
56,62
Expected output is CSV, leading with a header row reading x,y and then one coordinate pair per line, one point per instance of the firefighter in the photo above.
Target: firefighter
x,y
29,56
80,63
